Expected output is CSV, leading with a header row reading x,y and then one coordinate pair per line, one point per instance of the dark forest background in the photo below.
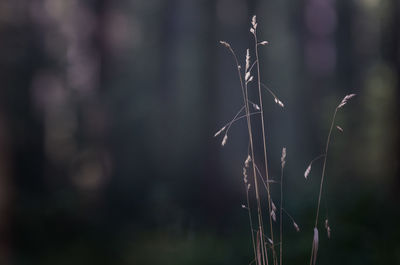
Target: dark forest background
x,y
108,111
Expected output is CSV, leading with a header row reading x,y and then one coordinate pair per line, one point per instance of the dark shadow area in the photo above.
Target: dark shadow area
x,y
108,111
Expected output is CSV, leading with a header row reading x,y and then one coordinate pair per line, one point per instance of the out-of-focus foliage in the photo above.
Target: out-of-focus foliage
x,y
108,108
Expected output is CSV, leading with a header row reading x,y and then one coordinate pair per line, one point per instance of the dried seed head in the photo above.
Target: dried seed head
x,y
263,43
247,161
273,215
277,101
296,226
220,131
254,22
245,175
283,157
227,45
328,229
247,76
307,172
247,60
349,96
339,128
255,106
250,79
252,30
224,140
273,206
345,99
244,206
248,186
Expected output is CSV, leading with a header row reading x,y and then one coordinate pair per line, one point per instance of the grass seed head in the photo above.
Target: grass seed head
x,y
273,206
247,76
254,22
307,172
224,43
345,99
273,215
296,226
247,60
328,228
283,157
247,161
224,140
220,131
255,106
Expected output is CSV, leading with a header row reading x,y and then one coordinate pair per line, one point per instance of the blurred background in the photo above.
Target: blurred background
x,y
108,111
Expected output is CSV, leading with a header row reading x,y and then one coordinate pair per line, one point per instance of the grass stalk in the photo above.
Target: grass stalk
x,y
281,205
263,133
243,86
314,249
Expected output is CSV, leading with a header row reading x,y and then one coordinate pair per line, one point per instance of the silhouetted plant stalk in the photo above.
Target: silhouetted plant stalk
x,y
314,248
283,162
260,242
243,86
253,30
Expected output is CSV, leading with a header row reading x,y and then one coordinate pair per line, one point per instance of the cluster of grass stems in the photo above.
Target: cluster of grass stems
x,y
266,249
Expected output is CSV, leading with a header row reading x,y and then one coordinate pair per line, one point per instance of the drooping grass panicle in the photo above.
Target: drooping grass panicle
x,y
224,140
345,99
235,119
308,169
341,104
228,125
328,228
276,99
243,85
254,32
263,244
295,225
220,131
315,240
